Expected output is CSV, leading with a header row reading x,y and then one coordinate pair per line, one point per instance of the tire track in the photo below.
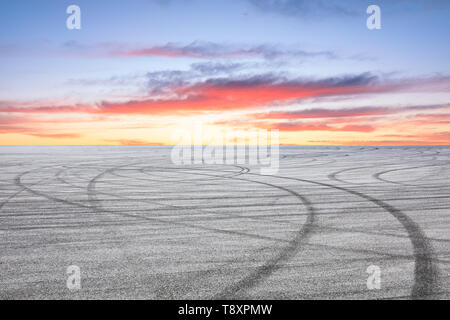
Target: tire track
x,y
333,176
194,208
425,271
284,255
272,264
96,209
22,188
92,195
379,174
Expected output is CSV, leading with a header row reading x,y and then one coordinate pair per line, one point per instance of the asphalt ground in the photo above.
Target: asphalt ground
x,y
140,227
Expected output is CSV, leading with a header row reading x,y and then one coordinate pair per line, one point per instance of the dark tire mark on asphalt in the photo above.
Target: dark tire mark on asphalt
x,y
22,187
333,176
96,208
286,253
379,174
92,196
10,198
425,271
417,291
232,174
183,207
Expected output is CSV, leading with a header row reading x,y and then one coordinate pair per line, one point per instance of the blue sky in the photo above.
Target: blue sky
x,y
43,62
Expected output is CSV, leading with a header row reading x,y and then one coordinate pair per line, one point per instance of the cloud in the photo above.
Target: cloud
x,y
212,68
13,129
36,132
434,118
55,135
15,107
304,8
321,113
127,142
222,94
426,138
32,126
164,80
240,93
436,136
375,142
211,50
12,120
316,126
345,9
195,50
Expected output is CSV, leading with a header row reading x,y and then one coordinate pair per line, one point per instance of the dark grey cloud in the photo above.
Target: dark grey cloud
x,y
207,68
221,75
362,79
161,81
352,80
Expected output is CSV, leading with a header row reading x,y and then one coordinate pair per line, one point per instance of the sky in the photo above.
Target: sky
x,y
138,71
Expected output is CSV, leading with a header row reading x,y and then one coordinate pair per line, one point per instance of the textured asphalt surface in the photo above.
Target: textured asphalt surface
x,y
140,227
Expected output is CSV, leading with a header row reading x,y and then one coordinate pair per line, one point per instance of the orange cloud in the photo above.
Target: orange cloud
x,y
127,142
55,135
215,96
434,118
351,112
16,125
383,142
313,126
221,95
225,94
324,113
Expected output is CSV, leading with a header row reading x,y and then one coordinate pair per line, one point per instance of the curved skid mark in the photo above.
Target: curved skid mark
x,y
22,187
18,182
379,174
284,255
269,266
274,263
375,233
177,207
333,176
233,174
10,198
425,272
166,180
96,208
92,196
313,164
